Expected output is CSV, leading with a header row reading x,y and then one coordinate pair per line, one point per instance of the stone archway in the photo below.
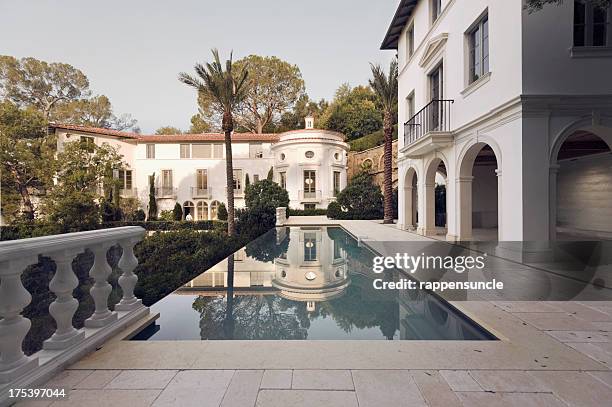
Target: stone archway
x,y
435,205
411,216
478,191
581,186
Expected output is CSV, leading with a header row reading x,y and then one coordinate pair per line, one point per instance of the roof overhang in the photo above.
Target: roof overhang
x,y
402,14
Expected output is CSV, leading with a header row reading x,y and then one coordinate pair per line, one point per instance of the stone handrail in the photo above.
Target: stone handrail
x,y
66,341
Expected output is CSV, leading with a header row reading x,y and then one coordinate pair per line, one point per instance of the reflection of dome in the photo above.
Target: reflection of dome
x,y
314,270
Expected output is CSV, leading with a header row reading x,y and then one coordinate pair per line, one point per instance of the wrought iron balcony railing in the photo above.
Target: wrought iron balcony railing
x,y
310,195
201,192
128,192
165,192
434,117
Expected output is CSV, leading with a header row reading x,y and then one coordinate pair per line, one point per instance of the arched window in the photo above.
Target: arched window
x,y
202,210
213,210
188,209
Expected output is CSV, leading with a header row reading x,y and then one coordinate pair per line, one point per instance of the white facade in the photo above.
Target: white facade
x,y
190,169
508,89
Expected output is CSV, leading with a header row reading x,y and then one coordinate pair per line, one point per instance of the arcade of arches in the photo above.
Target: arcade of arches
x,y
579,194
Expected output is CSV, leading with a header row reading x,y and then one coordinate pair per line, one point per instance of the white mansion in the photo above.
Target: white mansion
x,y
513,110
190,168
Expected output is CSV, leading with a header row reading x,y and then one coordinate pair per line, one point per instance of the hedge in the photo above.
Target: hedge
x,y
36,229
307,212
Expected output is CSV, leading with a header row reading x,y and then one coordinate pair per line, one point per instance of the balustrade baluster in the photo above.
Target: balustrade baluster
x,y
65,305
13,326
101,289
128,279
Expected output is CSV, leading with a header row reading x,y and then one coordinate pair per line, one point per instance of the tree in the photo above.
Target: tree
x,y
95,112
247,181
42,85
361,199
266,194
152,212
82,168
274,87
221,211
385,87
168,130
353,112
270,175
294,119
177,212
227,89
199,124
536,5
26,154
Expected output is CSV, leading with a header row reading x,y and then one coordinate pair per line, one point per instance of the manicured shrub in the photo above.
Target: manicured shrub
x,y
222,212
334,210
307,212
167,216
266,194
361,199
139,215
177,212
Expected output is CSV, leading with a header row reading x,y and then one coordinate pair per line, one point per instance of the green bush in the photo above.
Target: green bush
x,y
177,212
139,215
266,194
371,140
222,212
167,216
169,260
253,222
361,199
334,210
306,212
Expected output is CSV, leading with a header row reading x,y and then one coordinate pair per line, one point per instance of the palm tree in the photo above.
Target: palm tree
x,y
385,87
226,88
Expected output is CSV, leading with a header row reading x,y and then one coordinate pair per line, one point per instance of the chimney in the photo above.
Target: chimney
x,y
309,121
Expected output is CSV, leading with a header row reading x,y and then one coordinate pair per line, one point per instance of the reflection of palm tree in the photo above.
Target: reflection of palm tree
x,y
229,323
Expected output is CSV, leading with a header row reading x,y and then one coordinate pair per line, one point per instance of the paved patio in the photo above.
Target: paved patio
x,y
549,354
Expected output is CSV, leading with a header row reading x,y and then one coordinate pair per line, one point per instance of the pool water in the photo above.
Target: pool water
x,y
303,283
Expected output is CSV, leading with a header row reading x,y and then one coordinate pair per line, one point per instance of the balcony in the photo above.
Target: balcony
x,y
165,193
204,193
310,196
128,193
429,129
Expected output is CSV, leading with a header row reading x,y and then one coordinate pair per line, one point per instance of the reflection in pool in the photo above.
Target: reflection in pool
x,y
303,283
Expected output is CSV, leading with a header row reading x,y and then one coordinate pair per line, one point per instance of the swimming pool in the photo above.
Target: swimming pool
x,y
297,283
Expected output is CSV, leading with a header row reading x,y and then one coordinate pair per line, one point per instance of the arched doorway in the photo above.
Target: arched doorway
x,y
411,216
478,194
202,210
188,209
214,206
581,173
435,197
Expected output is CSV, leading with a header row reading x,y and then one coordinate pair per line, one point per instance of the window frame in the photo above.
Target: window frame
x,y
436,10
478,56
188,151
410,41
150,151
589,25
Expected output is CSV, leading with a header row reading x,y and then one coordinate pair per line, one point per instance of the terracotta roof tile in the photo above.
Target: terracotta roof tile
x,y
171,138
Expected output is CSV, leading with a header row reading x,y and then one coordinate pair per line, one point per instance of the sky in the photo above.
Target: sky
x,y
132,50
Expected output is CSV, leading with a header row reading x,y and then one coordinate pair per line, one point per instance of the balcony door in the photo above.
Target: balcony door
x,y
202,181
310,184
435,92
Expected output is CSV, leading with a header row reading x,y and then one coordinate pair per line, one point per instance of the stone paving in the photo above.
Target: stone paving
x,y
549,354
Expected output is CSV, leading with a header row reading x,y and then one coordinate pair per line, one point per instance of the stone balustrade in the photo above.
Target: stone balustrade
x,y
67,343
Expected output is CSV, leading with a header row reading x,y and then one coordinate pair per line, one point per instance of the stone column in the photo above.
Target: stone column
x,y
128,279
500,212
429,216
552,202
464,207
13,326
65,305
101,289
